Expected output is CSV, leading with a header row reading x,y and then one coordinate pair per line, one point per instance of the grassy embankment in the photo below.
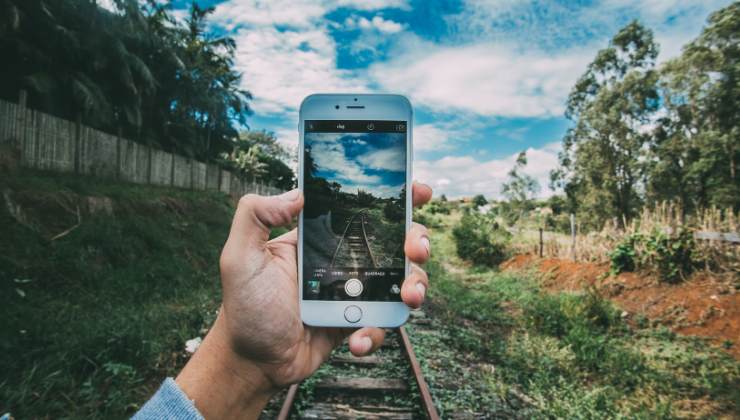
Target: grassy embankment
x,y
500,345
93,320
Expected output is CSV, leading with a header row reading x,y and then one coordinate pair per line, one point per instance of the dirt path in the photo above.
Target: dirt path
x,y
701,306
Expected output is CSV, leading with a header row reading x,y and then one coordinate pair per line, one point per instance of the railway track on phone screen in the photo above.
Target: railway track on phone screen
x,y
386,385
353,248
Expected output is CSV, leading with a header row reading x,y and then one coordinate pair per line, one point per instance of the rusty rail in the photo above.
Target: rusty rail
x,y
426,397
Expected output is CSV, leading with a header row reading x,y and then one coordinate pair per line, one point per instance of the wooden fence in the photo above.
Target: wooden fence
x,y
50,143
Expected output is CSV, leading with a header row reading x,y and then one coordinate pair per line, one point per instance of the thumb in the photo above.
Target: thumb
x,y
256,215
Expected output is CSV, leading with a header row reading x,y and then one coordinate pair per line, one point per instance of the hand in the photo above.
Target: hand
x,y
258,341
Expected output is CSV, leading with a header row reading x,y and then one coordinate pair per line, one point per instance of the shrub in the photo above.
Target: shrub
x,y
623,256
670,256
479,241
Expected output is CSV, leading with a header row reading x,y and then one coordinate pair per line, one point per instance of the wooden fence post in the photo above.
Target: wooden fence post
x,y
78,141
541,244
21,119
220,175
573,235
118,154
149,164
172,169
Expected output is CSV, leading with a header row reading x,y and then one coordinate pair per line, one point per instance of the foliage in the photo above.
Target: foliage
x,y
479,200
644,135
541,354
161,80
610,104
695,153
105,313
520,187
259,156
623,256
478,240
671,256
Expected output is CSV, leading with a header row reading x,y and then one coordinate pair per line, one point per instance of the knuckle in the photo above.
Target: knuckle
x,y
247,200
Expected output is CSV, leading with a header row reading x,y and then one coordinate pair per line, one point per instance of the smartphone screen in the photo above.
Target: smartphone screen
x,y
354,218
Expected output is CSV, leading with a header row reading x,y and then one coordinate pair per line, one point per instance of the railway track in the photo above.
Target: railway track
x,y
353,249
387,385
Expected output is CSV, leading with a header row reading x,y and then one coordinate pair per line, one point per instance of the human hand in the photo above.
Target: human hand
x,y
258,339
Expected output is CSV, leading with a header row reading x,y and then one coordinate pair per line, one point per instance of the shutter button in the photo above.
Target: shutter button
x,y
353,287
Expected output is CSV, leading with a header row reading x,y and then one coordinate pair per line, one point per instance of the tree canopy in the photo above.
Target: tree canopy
x,y
162,81
643,134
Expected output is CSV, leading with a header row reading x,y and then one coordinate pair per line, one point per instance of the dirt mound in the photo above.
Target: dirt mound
x,y
702,306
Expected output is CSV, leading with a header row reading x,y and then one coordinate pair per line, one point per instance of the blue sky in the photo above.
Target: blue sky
x,y
372,162
487,78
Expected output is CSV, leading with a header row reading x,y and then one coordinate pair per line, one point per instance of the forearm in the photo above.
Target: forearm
x,y
221,384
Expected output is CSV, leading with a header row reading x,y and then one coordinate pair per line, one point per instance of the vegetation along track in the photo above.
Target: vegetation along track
x,y
353,249
386,385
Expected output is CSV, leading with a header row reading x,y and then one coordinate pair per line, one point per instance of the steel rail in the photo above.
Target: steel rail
x,y
288,403
426,397
344,234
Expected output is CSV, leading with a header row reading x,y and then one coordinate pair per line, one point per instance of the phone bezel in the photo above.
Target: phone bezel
x,y
376,107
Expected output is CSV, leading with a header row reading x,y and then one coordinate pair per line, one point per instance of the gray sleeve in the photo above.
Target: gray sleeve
x,y
168,403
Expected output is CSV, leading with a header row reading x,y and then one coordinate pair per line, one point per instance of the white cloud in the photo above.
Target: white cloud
x,y
108,5
461,176
484,78
329,155
281,68
392,159
377,23
429,137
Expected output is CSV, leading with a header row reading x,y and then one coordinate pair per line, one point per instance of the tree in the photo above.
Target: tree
x,y
695,153
160,80
479,200
611,105
520,188
259,156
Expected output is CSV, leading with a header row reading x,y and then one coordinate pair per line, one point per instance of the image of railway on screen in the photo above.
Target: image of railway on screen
x,y
354,215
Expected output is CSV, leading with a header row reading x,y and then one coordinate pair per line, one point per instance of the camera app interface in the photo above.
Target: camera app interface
x,y
354,216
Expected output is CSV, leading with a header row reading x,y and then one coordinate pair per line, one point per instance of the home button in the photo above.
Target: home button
x,y
352,313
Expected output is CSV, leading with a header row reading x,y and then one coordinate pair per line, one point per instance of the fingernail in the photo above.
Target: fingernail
x,y
426,244
421,288
291,195
365,344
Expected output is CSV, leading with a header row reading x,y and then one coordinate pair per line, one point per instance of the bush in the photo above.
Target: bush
x,y
670,256
479,241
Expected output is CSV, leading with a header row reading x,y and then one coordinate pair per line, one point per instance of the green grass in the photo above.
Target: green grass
x,y
94,320
513,350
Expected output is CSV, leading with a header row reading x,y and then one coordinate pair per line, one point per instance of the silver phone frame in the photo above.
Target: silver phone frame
x,y
389,107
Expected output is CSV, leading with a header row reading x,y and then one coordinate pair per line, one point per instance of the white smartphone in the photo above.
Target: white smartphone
x,y
354,169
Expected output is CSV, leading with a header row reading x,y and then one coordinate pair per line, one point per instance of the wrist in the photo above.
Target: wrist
x,y
220,382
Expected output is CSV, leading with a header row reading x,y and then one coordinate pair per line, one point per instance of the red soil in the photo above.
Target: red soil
x,y
701,306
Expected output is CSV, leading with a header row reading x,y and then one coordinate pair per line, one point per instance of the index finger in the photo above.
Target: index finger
x,y
422,193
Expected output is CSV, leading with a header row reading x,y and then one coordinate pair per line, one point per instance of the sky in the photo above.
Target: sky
x,y
487,79
371,162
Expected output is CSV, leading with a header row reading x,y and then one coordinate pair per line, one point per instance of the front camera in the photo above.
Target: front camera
x,y
336,106
355,99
